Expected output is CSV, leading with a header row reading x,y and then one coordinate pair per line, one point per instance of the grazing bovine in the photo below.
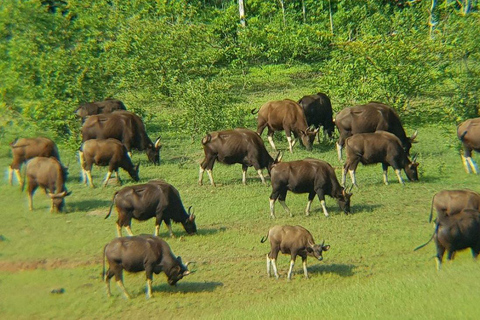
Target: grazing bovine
x,y
456,232
124,126
240,145
24,149
379,147
370,117
155,199
106,152
450,202
469,134
315,177
98,107
141,253
285,115
293,240
49,174
318,112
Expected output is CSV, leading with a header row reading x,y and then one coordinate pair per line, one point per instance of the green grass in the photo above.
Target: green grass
x,y
371,270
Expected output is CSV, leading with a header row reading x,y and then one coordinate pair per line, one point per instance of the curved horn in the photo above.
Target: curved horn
x,y
414,158
188,263
414,135
157,143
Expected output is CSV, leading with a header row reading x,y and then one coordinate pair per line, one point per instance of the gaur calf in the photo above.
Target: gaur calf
x,y
295,241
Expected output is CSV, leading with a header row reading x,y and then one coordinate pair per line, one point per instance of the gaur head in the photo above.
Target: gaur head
x,y
411,169
58,200
177,272
134,172
344,201
317,249
307,137
189,224
153,152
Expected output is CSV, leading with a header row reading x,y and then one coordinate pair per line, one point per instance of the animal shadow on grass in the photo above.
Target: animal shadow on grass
x,y
188,287
88,205
210,231
343,270
358,208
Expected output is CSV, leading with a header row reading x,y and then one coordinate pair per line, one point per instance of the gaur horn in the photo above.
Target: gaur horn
x,y
157,143
414,158
414,135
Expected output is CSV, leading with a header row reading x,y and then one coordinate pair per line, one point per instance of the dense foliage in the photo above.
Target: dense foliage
x,y
192,57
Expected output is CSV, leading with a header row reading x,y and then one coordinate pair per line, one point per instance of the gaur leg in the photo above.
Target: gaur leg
x,y
321,196
468,162
119,280
270,138
81,159
273,197
260,174
473,165
311,196
125,221
158,223
89,175
439,256
281,199
398,172
304,263
149,275
32,186
351,166
19,177
109,174
244,174
385,169
273,258
109,274
207,164
292,263
289,139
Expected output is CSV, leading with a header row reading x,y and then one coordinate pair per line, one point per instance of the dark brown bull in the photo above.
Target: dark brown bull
x,y
139,253
293,240
318,112
50,175
315,177
285,115
24,149
469,134
456,232
240,145
155,199
370,117
98,107
106,152
379,147
124,126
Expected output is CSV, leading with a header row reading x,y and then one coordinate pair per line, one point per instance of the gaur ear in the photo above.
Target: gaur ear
x,y
179,260
325,248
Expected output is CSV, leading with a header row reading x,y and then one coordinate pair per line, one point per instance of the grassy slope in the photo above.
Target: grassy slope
x,y
371,270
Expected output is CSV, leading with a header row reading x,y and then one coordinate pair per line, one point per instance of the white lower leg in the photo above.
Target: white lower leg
x,y
149,288
399,176
210,176
309,205
19,177
200,176
129,231
352,176
272,208
290,144
473,165
260,174
120,284
157,230
268,266
89,176
305,268
109,174
385,178
325,212
274,264
339,152
244,177
290,270
466,165
270,139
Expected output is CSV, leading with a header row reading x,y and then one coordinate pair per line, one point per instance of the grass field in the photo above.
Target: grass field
x,y
371,270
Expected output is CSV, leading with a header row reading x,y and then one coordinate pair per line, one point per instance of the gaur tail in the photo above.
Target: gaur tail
x,y
423,245
463,135
264,238
207,139
254,111
111,206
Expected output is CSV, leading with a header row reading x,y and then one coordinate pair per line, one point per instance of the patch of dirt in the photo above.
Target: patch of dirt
x,y
45,264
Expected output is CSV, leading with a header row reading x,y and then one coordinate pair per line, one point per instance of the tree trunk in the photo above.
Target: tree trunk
x,y
331,15
283,11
